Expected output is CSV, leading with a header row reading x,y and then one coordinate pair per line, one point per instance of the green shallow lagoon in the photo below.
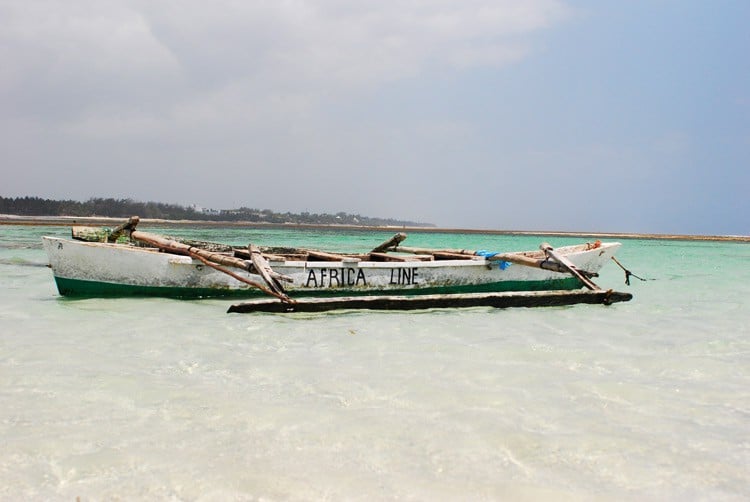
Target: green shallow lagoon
x,y
169,399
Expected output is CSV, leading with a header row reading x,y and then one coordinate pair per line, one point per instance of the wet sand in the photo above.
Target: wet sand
x,y
147,222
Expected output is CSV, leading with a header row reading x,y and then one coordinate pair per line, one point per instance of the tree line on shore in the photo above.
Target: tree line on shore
x,y
109,207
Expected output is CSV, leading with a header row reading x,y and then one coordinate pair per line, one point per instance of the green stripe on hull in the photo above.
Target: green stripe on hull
x,y
93,289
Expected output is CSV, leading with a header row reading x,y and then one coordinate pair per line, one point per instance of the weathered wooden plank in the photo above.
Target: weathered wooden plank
x,y
304,254
517,258
521,259
245,255
123,229
388,257
173,246
284,298
264,269
418,302
421,257
100,234
89,234
416,250
443,255
276,257
326,256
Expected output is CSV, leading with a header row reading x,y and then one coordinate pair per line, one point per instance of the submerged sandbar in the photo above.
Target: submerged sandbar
x,y
6,219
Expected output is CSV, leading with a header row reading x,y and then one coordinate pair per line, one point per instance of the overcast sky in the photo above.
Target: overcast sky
x,y
601,115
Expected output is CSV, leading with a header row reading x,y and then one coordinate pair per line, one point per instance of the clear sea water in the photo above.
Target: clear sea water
x,y
157,399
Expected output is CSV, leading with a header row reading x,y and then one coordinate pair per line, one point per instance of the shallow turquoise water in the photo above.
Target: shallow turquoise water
x,y
166,399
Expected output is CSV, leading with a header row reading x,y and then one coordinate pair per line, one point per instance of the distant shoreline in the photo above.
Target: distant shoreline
x,y
6,219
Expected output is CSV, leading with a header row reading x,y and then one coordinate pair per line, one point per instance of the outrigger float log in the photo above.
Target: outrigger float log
x,y
497,300
128,262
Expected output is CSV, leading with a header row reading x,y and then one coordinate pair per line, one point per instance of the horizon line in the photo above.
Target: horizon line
x,y
9,219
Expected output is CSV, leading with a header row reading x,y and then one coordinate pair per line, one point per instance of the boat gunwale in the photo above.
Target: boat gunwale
x,y
71,285
469,261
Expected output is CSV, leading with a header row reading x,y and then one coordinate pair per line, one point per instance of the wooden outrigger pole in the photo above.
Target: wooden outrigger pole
x,y
569,266
211,259
269,276
515,258
217,261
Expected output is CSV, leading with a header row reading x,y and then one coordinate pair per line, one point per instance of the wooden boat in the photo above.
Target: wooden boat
x,y
127,262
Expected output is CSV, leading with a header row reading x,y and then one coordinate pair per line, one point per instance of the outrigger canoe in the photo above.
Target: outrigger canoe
x,y
127,262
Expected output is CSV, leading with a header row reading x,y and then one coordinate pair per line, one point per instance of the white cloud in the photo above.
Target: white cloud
x,y
291,43
68,41
63,59
113,66
345,44
242,85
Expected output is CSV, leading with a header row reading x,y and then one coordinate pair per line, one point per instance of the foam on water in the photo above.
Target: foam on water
x,y
165,399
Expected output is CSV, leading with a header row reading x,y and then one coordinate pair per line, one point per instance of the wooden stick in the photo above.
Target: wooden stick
x,y
444,255
180,248
571,268
283,297
325,256
280,277
207,257
386,257
124,228
516,258
264,269
390,243
276,257
413,250
301,254
526,261
245,255
89,234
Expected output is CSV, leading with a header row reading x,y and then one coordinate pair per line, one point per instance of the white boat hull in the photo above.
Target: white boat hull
x,y
97,269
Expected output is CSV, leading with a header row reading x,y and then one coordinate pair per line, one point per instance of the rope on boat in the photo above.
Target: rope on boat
x,y
489,254
628,273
